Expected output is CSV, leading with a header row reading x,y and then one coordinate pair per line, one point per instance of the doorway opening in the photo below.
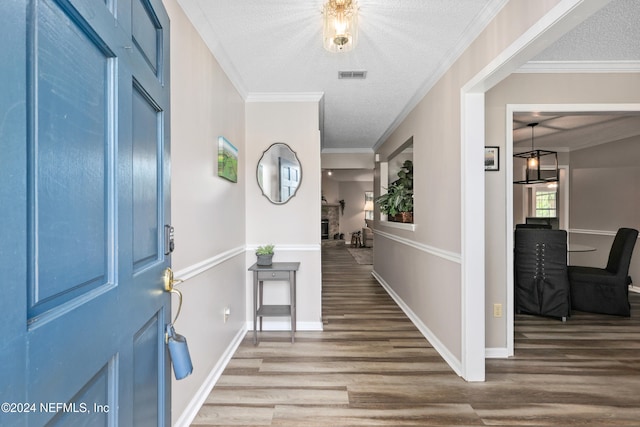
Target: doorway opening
x,y
518,207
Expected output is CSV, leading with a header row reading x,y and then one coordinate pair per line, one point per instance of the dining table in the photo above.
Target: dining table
x,y
577,247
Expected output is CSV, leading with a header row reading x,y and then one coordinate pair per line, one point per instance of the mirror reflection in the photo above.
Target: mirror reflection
x,y
279,173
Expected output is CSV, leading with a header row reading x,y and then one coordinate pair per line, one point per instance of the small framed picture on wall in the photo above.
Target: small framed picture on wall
x,y
491,158
227,160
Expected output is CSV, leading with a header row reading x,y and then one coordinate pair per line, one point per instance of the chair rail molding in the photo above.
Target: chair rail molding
x,y
593,232
398,225
207,264
431,250
289,248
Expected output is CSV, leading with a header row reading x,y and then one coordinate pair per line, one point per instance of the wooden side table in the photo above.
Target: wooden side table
x,y
356,242
277,271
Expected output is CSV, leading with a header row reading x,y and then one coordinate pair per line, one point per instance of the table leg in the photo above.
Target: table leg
x,y
292,282
255,307
260,286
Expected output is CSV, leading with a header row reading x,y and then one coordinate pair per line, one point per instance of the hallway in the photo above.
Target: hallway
x,y
370,366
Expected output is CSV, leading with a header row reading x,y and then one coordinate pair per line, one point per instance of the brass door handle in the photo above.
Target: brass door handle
x,y
169,282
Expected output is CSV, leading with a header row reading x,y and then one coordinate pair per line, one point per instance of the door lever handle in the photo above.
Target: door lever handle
x,y
169,282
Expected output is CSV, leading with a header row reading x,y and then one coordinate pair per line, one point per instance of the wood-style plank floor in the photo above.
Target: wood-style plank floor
x,y
371,367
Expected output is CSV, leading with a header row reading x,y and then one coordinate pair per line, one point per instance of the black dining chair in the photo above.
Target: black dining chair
x,y
605,290
546,226
540,267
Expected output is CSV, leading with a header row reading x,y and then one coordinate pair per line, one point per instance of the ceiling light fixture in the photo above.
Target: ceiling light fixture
x,y
535,172
340,25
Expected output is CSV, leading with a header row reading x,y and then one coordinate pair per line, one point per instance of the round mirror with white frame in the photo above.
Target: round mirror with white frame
x,y
279,173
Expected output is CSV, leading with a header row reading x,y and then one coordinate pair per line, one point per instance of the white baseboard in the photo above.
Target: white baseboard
x,y
190,412
496,353
285,326
444,352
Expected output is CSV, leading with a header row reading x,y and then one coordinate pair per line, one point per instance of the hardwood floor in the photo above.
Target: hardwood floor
x,y
371,367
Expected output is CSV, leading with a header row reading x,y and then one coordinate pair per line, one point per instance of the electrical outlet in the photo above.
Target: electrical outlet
x,y
227,313
497,310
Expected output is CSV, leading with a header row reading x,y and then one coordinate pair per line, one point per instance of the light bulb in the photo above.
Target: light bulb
x,y
532,162
340,24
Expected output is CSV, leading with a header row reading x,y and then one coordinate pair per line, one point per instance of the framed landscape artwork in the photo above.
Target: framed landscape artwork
x,y
227,160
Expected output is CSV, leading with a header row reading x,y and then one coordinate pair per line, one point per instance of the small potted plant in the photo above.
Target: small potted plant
x,y
265,254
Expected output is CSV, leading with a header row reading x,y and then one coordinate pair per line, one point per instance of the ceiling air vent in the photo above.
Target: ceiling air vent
x,y
352,75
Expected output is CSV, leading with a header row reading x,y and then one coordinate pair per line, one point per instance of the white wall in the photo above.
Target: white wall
x,y
294,227
209,232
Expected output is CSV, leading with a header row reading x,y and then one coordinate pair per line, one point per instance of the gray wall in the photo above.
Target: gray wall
x,y
605,195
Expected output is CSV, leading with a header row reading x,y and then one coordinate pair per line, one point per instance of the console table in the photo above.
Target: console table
x,y
277,271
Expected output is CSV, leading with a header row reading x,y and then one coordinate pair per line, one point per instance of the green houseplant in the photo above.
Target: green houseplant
x,y
397,203
265,254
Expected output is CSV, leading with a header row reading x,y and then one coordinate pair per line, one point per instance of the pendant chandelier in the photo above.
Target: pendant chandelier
x,y
340,25
539,166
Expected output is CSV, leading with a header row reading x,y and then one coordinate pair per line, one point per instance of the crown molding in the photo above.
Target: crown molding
x,y
470,34
201,24
346,151
284,97
580,67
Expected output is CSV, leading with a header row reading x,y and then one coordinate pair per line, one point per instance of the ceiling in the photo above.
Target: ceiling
x,y
563,131
275,47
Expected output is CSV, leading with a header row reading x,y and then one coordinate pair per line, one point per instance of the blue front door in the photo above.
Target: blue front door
x,y
84,134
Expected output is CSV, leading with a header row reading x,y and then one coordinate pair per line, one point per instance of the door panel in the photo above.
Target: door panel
x,y
146,150
72,116
289,178
85,182
98,389
145,28
146,392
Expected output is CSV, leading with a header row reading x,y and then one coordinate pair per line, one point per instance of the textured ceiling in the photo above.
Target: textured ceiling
x,y
572,131
275,46
611,34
